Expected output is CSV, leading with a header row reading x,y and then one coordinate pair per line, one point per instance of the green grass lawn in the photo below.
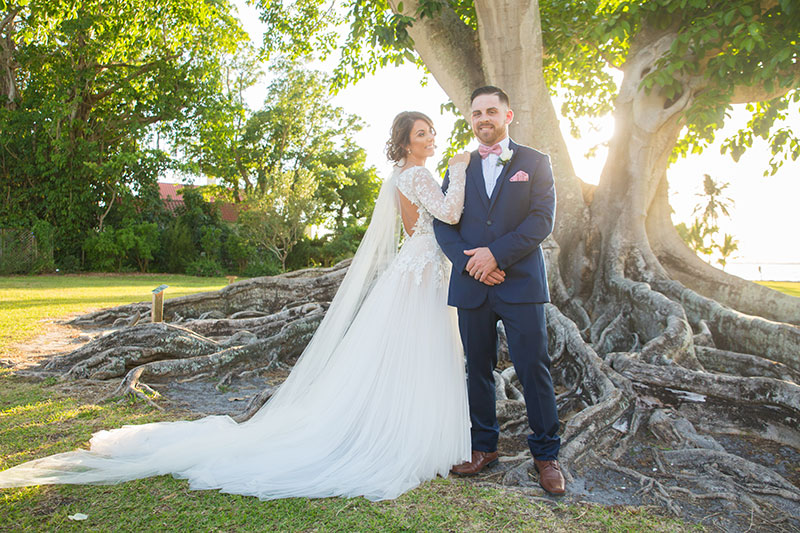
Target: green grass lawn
x,y
40,418
792,288
26,300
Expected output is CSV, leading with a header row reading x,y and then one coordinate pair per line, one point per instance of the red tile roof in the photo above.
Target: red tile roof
x,y
229,212
169,193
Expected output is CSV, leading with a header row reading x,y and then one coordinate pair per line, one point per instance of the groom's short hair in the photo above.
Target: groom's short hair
x,y
490,89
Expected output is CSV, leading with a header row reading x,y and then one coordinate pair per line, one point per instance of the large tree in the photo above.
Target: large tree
x,y
296,128
83,86
634,307
292,163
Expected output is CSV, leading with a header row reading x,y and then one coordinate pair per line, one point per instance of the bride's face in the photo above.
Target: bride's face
x,y
421,141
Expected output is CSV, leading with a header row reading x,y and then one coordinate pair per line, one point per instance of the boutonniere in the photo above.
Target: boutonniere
x,y
505,156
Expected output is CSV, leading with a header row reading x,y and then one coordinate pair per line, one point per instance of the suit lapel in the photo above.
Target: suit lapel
x,y
502,177
475,173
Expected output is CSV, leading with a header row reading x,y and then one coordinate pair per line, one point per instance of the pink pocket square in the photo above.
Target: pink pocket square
x,y
519,176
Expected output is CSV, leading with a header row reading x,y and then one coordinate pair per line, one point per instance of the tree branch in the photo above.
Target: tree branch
x,y
449,49
9,18
743,94
602,53
133,75
110,204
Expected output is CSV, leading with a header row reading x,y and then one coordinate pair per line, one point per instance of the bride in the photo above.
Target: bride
x,y
374,406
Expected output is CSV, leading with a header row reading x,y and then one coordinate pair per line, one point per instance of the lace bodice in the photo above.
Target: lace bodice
x,y
421,256
418,185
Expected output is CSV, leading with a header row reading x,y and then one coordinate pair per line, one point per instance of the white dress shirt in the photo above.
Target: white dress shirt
x,y
491,169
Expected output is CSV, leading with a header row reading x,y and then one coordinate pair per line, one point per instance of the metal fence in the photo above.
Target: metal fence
x,y
20,252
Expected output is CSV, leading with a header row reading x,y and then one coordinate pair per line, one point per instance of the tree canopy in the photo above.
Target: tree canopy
x,y
83,86
99,98
734,51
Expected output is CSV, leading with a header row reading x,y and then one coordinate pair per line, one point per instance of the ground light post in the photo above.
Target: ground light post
x,y
157,313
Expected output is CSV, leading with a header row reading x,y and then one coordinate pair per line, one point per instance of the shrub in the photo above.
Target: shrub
x,y
237,250
211,241
326,251
205,267
69,263
103,251
140,242
44,233
262,266
178,246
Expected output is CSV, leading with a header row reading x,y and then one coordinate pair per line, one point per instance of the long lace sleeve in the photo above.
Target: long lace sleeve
x,y
447,207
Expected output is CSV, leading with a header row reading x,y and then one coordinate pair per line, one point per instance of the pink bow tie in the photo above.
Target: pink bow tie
x,y
486,150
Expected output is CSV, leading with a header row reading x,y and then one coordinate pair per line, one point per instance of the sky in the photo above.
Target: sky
x,y
765,217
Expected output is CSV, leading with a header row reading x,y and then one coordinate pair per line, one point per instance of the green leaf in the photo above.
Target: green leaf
x,y
728,17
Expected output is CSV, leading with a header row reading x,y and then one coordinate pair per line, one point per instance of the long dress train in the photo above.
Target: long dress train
x,y
374,406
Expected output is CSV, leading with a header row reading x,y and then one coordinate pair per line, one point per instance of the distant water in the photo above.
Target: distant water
x,y
769,271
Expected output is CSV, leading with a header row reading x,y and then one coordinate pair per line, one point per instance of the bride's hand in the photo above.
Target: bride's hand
x,y
463,157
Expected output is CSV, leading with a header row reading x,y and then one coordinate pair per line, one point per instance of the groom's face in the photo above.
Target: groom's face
x,y
490,118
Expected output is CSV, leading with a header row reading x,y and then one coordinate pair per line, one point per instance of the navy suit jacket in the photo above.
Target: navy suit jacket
x,y
512,224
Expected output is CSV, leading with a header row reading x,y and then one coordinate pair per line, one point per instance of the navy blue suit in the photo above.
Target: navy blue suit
x,y
512,224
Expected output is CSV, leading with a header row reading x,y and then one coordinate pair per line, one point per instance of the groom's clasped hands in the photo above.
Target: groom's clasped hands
x,y
483,266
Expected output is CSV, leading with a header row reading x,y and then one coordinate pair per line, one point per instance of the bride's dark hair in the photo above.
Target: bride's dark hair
x,y
399,138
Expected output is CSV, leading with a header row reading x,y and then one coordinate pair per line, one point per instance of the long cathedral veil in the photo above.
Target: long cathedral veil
x,y
376,251
177,447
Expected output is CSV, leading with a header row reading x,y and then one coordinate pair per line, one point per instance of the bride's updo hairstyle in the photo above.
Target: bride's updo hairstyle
x,y
399,138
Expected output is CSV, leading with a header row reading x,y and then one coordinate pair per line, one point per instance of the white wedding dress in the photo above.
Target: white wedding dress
x,y
375,405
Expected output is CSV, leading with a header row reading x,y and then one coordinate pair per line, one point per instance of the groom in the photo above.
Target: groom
x,y
499,274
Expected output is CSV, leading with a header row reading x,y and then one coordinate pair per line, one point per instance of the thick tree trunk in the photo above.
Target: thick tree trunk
x,y
8,65
512,57
508,56
449,49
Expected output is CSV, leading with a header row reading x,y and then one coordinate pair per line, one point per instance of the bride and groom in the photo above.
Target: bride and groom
x,y
379,401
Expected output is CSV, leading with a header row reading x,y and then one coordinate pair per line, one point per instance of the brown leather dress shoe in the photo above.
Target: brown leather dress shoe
x,y
550,477
480,460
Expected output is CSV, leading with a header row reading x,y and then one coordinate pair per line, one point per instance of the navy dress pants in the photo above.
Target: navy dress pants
x,y
527,345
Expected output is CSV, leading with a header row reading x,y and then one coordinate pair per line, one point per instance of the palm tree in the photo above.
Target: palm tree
x,y
716,204
726,250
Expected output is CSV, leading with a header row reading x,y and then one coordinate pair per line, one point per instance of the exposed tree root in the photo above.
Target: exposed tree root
x,y
745,365
607,400
648,486
162,337
757,390
735,331
663,321
261,296
281,346
261,327
758,478
255,403
739,419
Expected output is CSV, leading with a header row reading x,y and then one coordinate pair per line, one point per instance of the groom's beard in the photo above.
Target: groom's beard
x,y
490,135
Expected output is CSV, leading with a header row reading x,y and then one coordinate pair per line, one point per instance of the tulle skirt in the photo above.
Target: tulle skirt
x,y
389,412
